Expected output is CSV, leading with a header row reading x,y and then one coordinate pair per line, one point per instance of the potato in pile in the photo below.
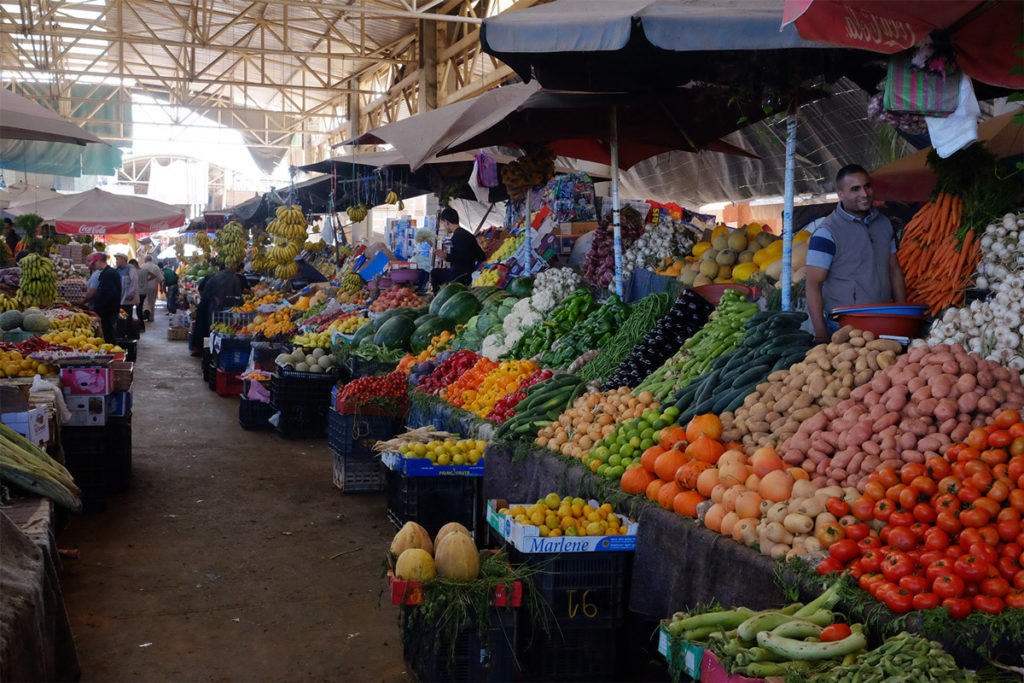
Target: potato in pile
x,y
825,377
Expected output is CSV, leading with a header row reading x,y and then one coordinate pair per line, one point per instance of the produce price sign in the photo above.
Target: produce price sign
x,y
422,467
527,538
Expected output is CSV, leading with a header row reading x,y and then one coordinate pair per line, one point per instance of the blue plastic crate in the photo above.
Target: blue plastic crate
x,y
422,467
233,361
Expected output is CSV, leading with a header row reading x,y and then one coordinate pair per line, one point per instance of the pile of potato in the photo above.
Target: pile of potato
x,y
591,418
915,409
828,375
802,526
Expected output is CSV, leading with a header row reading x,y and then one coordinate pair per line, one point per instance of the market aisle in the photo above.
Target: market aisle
x,y
215,566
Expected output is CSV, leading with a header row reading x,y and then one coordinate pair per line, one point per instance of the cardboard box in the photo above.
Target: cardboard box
x,y
87,411
33,424
177,333
526,538
87,381
14,398
119,403
581,228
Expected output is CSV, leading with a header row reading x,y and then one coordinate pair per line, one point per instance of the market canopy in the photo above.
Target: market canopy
x,y
23,119
911,179
607,45
96,212
983,32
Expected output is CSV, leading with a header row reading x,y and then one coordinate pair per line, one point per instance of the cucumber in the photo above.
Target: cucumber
x,y
722,360
787,360
793,338
788,318
739,397
755,373
723,398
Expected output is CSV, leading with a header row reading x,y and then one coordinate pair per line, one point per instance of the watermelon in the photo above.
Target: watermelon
x,y
424,318
424,333
495,298
446,292
387,315
481,293
364,332
460,307
520,287
395,333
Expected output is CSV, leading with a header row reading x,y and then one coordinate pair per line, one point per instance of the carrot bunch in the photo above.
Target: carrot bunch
x,y
935,265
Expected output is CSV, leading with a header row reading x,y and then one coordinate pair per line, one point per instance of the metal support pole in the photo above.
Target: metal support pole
x,y
526,238
616,228
786,282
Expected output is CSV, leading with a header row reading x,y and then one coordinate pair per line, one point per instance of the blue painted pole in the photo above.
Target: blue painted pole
x,y
786,281
616,228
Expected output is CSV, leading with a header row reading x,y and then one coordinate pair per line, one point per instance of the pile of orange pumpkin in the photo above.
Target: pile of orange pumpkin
x,y
690,466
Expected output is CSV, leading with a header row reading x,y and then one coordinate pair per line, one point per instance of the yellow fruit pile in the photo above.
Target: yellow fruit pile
x,y
462,452
13,364
81,339
507,248
487,278
350,324
351,284
738,256
275,324
72,322
253,305
313,340
557,516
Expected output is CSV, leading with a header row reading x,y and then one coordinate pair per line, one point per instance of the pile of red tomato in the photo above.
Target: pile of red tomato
x,y
447,372
947,532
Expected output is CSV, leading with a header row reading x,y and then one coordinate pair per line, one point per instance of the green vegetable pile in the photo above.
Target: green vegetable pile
x,y
901,658
594,333
367,351
723,333
540,337
642,317
29,468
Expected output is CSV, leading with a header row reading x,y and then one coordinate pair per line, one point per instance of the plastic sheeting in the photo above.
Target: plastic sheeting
x,y
832,132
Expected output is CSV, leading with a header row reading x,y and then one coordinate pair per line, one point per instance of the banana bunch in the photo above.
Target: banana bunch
x,y
38,286
286,271
315,247
357,212
179,249
230,243
392,198
350,284
284,252
290,224
10,303
77,321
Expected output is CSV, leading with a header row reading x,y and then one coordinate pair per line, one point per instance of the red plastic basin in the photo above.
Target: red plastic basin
x,y
882,323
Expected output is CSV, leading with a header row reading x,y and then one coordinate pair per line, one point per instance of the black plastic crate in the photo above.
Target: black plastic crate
x,y
569,653
119,453
253,415
470,659
584,590
131,349
235,343
301,388
432,502
85,456
301,422
356,474
361,367
355,434
207,365
263,353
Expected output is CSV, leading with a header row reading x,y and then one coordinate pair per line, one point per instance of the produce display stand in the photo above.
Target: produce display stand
x,y
351,437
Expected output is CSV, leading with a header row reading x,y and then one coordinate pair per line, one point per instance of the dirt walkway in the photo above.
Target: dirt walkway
x,y
216,564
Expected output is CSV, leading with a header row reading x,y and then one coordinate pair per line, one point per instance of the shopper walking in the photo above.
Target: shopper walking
x,y
153,276
170,284
129,289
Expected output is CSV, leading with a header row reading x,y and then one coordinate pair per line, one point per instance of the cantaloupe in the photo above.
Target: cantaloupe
x,y
721,242
448,528
415,564
709,269
726,257
412,535
738,241
456,557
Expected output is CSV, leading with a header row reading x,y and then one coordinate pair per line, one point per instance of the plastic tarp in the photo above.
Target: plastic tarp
x,y
833,132
983,33
23,119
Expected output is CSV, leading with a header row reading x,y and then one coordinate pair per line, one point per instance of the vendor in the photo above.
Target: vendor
x,y
464,254
308,272
851,258
421,256
104,295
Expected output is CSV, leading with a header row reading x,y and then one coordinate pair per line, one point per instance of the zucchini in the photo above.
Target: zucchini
x,y
803,650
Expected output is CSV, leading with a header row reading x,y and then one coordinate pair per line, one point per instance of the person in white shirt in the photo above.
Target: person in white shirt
x,y
129,289
153,276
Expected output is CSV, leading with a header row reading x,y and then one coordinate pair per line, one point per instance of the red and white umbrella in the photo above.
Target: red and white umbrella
x,y
96,212
983,32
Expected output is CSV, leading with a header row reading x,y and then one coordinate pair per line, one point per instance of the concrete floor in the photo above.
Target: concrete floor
x,y
217,564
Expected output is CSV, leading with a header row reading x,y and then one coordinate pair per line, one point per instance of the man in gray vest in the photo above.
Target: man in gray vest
x,y
851,258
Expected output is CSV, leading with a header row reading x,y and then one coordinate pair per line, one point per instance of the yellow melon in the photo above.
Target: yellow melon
x,y
457,557
412,535
415,564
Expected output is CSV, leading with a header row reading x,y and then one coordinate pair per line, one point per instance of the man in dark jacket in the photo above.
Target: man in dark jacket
x,y
464,255
106,297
